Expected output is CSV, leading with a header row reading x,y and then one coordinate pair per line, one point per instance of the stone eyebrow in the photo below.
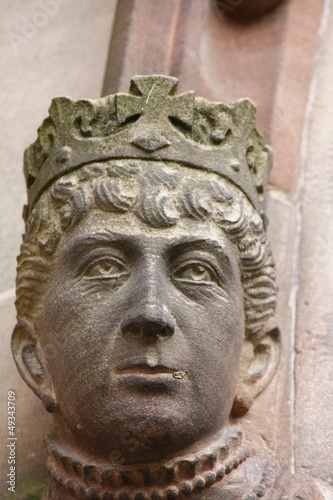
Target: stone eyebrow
x,y
208,244
83,243
106,236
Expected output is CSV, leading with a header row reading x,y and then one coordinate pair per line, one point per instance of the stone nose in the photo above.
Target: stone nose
x,y
148,321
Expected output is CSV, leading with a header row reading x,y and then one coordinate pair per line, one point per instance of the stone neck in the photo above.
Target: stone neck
x,y
172,480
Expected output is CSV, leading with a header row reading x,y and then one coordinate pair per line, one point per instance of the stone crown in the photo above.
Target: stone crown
x,y
150,122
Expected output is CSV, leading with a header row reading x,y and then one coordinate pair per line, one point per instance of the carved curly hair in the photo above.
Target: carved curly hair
x,y
159,194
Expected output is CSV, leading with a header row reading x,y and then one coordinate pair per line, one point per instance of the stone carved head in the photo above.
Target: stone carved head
x,y
145,287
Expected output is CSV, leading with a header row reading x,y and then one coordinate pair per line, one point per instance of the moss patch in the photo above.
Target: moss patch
x,y
29,489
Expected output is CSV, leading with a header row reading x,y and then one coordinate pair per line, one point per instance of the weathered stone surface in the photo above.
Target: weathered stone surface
x,y
196,42
274,411
146,282
265,60
169,46
287,35
314,340
246,10
30,455
47,48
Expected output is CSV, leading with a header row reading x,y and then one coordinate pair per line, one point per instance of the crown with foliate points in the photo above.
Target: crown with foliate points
x,y
150,122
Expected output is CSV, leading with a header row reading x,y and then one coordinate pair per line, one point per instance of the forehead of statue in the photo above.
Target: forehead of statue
x,y
103,229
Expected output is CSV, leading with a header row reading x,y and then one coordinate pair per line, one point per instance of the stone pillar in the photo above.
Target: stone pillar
x,y
314,313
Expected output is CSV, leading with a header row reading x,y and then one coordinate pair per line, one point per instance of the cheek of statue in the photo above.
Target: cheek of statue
x,y
148,333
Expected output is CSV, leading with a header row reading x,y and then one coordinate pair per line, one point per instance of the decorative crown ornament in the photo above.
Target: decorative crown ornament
x,y
150,122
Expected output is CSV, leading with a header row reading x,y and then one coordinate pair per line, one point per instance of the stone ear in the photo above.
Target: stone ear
x,y
259,362
29,362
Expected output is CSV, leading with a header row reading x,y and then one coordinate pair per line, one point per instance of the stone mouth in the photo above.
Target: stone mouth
x,y
159,375
145,369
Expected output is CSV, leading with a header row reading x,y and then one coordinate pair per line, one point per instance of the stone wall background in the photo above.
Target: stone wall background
x,y
283,61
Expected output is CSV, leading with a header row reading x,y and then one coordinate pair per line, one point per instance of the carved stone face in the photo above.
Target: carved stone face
x,y
148,325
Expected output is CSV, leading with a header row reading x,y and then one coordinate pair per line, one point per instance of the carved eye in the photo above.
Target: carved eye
x,y
196,273
106,268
